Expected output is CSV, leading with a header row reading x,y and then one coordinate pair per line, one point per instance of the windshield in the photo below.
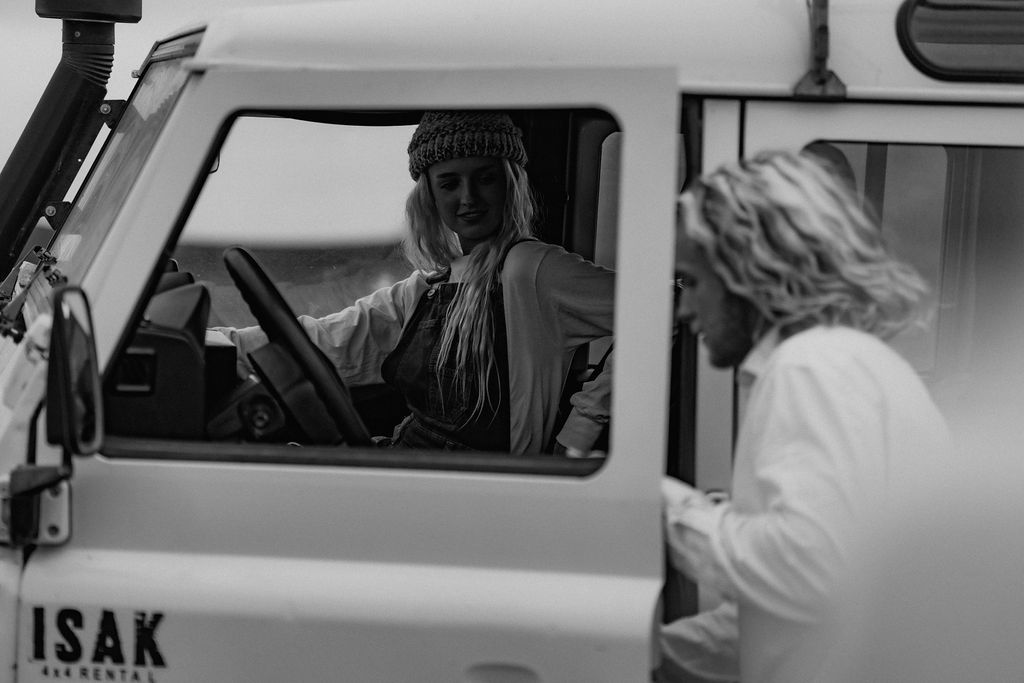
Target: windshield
x,y
103,193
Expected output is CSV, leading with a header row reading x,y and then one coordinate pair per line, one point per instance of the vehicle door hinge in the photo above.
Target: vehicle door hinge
x,y
36,506
819,83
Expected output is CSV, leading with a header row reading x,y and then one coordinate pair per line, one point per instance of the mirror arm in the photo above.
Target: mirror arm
x,y
21,501
30,480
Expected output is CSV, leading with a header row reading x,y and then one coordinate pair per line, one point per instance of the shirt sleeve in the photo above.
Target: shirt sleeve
x,y
356,339
582,293
818,444
705,645
591,406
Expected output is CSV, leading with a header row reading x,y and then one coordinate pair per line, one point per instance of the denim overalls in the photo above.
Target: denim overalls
x,y
439,410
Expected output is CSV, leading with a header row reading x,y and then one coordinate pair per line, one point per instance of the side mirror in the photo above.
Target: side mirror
x,y
74,398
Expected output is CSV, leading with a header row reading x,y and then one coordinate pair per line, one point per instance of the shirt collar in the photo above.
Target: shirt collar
x,y
757,359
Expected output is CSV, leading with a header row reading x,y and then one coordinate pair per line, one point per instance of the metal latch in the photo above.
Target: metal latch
x,y
36,506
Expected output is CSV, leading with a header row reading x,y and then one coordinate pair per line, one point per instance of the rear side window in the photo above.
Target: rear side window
x,y
956,214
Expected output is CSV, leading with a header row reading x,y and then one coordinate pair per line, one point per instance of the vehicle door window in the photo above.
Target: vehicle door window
x,y
318,199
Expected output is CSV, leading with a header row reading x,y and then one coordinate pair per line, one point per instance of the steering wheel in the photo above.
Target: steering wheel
x,y
279,323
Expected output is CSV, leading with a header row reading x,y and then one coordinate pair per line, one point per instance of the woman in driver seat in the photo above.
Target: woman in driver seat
x,y
480,337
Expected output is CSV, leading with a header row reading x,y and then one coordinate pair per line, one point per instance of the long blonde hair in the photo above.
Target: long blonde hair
x,y
469,328
790,237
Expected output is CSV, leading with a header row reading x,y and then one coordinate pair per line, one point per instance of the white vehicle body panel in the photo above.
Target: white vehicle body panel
x,y
757,49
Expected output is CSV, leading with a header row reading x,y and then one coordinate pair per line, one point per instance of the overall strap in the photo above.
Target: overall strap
x,y
509,248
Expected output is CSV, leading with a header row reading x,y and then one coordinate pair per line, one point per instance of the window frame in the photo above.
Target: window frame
x,y
568,224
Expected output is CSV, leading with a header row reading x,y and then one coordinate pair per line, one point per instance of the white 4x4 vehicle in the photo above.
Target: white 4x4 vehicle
x,y
160,523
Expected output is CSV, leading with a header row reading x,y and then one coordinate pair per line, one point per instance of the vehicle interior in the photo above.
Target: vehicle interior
x,y
306,224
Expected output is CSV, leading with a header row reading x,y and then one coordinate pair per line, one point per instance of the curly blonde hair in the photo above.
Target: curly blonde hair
x,y
790,237
469,327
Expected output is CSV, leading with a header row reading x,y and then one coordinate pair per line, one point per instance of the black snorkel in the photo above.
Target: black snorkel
x,y
63,125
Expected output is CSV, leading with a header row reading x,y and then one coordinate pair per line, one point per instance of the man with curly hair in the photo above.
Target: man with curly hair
x,y
788,280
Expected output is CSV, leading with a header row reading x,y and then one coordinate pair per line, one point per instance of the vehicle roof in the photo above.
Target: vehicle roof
x,y
719,47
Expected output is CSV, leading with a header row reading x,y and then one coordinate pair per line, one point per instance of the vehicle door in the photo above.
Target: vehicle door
x,y
192,559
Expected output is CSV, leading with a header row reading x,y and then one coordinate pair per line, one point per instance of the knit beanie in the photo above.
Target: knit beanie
x,y
444,135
